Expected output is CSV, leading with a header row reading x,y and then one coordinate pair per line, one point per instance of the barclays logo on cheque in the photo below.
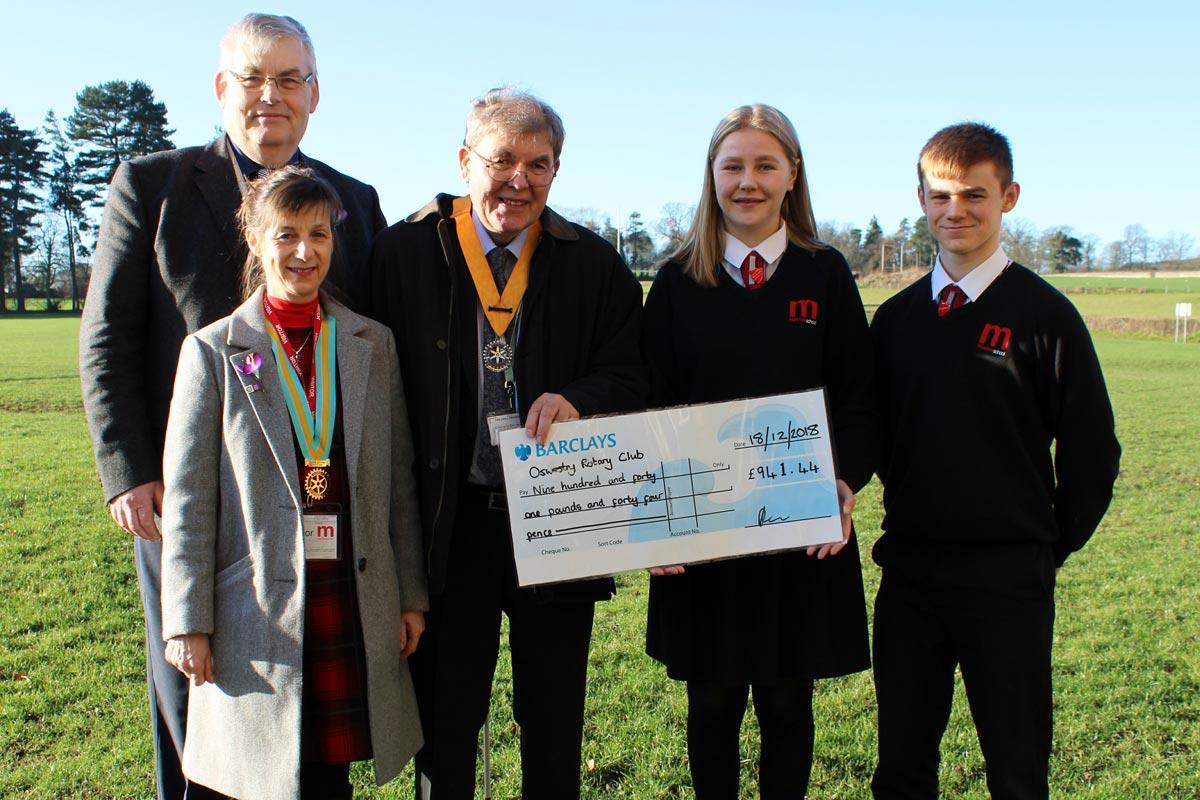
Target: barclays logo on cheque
x,y
580,444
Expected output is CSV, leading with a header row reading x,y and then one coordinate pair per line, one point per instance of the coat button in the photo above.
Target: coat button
x,y
441,344
434,463
362,564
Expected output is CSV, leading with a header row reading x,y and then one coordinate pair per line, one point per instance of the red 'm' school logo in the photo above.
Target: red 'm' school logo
x,y
803,311
995,339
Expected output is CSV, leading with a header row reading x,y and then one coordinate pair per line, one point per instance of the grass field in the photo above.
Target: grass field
x,y
1105,300
1130,298
73,721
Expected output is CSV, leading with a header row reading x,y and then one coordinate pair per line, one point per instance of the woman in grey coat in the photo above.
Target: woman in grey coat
x,y
293,585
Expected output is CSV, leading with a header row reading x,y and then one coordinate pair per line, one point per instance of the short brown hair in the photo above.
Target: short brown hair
x,y
955,149
287,191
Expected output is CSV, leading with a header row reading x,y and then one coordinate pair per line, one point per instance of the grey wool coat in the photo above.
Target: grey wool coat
x,y
233,552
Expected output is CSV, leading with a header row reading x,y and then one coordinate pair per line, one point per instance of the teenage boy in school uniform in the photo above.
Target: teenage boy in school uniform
x,y
982,366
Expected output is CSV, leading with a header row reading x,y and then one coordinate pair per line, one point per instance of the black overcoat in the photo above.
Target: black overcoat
x,y
579,330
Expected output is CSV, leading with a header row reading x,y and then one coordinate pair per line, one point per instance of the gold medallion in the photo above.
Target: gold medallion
x,y
316,483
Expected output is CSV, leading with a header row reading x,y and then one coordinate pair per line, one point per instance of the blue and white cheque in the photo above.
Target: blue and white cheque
x,y
673,486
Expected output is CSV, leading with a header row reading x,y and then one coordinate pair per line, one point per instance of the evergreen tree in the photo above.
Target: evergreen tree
x,y
922,243
21,162
872,241
119,121
1063,251
637,245
67,196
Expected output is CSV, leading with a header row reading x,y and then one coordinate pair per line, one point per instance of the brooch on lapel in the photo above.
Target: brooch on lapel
x,y
248,364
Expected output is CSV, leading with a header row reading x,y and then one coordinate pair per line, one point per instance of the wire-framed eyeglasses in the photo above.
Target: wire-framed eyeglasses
x,y
503,170
287,83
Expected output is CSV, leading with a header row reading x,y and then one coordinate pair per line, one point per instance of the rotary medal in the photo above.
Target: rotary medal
x,y
497,355
316,479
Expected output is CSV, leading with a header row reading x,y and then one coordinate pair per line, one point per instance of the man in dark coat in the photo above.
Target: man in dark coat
x,y
168,261
474,346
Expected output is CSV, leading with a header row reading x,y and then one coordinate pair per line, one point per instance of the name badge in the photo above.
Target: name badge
x,y
499,423
321,537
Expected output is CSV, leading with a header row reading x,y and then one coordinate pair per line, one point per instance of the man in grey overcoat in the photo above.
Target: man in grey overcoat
x,y
168,262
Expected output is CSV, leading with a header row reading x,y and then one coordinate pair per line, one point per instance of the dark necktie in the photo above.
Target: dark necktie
x,y
502,261
950,298
494,395
754,270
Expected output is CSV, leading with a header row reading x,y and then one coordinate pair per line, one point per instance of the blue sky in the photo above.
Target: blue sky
x,y
1100,101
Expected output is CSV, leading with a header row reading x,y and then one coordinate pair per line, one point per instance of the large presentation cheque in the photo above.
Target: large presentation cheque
x,y
673,486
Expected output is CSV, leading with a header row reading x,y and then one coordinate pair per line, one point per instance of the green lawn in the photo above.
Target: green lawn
x,y
1105,298
73,721
1163,283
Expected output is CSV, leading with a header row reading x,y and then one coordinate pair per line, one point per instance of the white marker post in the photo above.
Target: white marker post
x,y
1183,311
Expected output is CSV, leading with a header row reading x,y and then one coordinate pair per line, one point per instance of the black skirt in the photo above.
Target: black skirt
x,y
761,619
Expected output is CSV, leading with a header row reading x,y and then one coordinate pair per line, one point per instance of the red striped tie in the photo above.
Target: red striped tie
x,y
753,270
950,298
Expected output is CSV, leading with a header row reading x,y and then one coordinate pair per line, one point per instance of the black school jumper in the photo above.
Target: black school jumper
x,y
978,516
783,618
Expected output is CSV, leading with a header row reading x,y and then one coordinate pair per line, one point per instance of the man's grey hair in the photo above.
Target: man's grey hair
x,y
255,34
514,113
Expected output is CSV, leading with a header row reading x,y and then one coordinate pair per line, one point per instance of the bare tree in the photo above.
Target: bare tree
x,y
847,240
589,218
69,196
48,239
1137,244
1020,241
1090,250
1175,247
1116,255
673,224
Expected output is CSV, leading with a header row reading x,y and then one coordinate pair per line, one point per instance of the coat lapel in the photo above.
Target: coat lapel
x,y
354,373
218,186
554,230
466,306
247,336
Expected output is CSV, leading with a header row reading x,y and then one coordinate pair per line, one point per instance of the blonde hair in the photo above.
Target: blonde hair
x,y
703,246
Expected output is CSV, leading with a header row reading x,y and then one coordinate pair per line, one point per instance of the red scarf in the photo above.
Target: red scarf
x,y
294,315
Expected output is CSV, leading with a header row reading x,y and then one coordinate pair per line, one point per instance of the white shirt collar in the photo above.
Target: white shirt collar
x,y
975,282
485,238
771,248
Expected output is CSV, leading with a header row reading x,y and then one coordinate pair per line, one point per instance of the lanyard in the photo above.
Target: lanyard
x,y
500,309
313,411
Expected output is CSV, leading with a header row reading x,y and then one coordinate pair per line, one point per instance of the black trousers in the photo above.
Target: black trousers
x,y
166,686
452,670
995,621
785,724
